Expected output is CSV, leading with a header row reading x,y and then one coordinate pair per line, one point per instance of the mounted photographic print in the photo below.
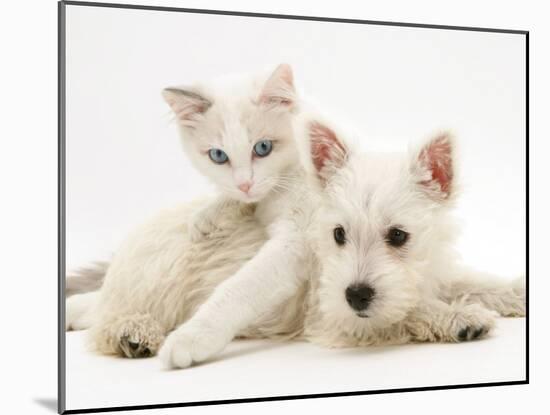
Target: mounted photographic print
x,y
258,207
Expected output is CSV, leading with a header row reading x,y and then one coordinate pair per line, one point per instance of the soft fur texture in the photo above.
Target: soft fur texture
x,y
422,292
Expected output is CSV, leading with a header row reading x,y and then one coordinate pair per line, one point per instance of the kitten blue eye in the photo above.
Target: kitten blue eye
x,y
217,156
263,148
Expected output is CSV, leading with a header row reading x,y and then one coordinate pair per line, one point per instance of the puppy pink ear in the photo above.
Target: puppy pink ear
x,y
327,151
432,166
186,104
278,90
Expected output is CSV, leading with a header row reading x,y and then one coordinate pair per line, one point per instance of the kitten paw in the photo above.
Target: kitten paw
x,y
189,344
199,228
78,314
471,323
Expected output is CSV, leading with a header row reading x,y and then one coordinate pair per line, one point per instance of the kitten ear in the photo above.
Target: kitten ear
x,y
187,104
278,90
432,166
327,152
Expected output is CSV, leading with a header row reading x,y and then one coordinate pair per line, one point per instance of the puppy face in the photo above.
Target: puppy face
x,y
380,223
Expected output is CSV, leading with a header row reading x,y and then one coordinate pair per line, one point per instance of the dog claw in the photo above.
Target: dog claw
x,y
471,333
463,334
477,333
133,349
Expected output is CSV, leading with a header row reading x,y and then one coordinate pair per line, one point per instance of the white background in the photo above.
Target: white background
x,y
29,173
394,84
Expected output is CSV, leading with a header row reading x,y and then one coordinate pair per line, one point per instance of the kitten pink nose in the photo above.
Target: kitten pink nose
x,y
245,187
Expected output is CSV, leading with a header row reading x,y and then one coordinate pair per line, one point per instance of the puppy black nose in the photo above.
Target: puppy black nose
x,y
359,296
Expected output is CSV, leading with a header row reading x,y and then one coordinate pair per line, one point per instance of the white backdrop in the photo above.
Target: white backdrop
x,y
29,168
393,84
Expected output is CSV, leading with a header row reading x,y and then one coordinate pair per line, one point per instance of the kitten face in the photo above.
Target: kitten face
x,y
381,221
240,137
256,145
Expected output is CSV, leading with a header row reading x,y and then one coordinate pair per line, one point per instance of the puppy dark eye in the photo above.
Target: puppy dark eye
x,y
339,235
397,237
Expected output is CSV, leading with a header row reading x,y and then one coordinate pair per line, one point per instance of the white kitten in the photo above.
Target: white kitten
x,y
251,160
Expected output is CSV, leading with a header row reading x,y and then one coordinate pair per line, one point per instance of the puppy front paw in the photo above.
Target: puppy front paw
x,y
472,322
189,344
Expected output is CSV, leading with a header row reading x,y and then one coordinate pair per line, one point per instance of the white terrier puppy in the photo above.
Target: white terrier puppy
x,y
384,238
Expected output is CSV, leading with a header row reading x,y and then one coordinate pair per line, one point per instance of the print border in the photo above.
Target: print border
x,y
61,204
